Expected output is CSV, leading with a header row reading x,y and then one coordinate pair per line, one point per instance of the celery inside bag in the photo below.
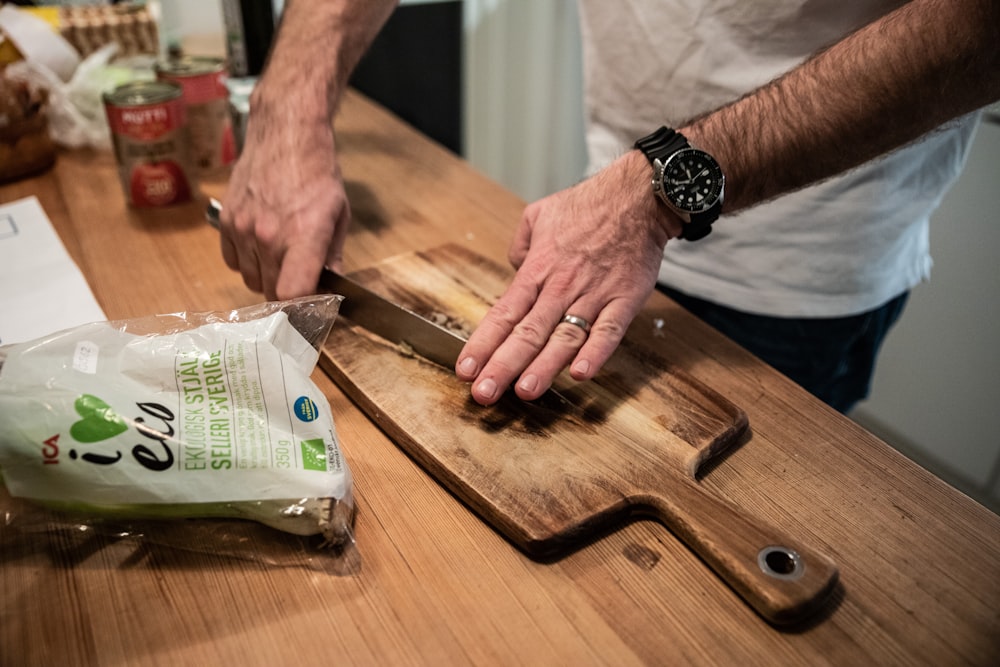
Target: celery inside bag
x,y
180,416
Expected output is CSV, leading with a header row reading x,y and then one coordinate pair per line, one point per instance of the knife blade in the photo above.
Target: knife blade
x,y
393,322
380,316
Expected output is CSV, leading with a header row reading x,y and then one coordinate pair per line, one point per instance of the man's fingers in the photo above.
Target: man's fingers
x,y
606,333
300,271
503,346
495,327
521,243
525,341
229,253
250,268
563,345
335,255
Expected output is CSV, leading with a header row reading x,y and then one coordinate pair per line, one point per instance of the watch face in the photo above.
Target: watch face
x,y
692,180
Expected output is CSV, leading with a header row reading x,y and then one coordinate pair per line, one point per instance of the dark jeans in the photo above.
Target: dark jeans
x,y
833,358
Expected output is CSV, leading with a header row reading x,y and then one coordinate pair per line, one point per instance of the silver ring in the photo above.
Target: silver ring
x,y
577,322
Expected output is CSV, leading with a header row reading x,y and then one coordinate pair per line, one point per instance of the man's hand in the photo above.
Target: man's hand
x,y
285,213
592,251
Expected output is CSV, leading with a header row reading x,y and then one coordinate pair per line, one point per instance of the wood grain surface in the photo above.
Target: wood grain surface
x,y
919,561
585,458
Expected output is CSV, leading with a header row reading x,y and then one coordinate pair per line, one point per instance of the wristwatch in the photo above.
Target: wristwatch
x,y
688,180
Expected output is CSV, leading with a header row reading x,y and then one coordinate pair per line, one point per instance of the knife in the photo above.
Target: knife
x,y
380,316
393,322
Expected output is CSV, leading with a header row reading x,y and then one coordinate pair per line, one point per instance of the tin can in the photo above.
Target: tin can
x,y
206,97
149,133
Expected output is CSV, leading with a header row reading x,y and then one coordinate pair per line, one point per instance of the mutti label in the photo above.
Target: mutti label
x,y
146,122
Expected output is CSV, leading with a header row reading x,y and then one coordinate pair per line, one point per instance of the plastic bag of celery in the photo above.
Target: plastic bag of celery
x,y
187,415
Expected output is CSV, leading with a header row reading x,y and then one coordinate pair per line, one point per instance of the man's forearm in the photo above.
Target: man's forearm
x,y
876,90
319,43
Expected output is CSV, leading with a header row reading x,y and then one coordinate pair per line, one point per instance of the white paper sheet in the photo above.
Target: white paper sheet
x,y
41,289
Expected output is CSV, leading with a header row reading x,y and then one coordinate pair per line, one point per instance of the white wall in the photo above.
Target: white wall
x,y
937,384
523,100
195,22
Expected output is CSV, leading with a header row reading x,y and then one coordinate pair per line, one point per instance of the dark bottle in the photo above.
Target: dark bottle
x,y
249,32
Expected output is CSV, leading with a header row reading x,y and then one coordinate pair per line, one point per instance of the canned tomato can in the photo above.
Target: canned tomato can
x,y
206,96
148,129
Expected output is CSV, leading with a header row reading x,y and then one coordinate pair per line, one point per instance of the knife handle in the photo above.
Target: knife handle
x,y
782,579
213,211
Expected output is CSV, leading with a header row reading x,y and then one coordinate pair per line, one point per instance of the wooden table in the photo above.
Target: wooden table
x,y
919,562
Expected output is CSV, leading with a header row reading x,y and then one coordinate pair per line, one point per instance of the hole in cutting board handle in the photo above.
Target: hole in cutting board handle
x,y
781,563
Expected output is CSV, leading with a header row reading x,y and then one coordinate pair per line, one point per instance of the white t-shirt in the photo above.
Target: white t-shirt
x,y
844,246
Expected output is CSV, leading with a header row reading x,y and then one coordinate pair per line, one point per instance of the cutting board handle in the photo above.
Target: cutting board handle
x,y
783,579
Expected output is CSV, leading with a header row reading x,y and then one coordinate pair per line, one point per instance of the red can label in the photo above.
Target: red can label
x,y
206,98
148,128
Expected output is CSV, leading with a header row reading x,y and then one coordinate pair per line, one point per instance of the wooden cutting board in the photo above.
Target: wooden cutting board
x,y
553,473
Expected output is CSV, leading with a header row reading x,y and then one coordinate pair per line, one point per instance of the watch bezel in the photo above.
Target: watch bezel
x,y
660,169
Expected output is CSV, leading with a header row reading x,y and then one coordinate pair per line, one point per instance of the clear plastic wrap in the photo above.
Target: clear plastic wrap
x,y
187,430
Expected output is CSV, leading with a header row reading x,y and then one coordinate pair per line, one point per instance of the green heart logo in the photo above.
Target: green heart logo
x,y
99,421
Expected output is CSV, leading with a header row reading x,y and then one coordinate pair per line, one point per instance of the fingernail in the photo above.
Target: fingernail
x,y
487,389
529,382
582,367
467,366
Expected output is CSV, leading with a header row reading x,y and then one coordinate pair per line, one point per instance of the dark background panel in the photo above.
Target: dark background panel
x,y
414,68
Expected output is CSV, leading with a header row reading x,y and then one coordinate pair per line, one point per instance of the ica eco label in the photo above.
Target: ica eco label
x,y
223,412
